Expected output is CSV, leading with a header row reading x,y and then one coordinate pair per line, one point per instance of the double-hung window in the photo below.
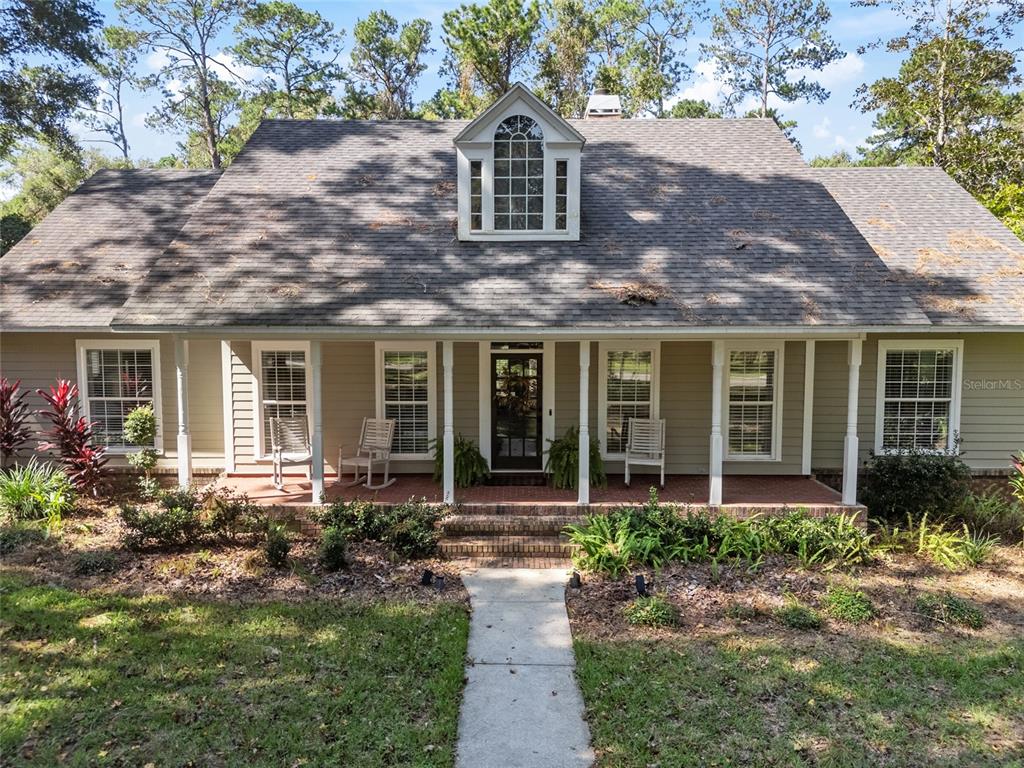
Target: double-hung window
x,y
406,393
753,397
918,395
628,390
114,378
282,377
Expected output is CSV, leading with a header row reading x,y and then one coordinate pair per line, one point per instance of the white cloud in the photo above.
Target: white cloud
x,y
841,72
705,87
236,72
139,120
158,59
842,143
823,129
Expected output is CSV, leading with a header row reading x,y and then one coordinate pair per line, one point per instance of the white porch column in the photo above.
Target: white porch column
x,y
316,438
184,438
808,433
449,424
851,444
715,465
584,478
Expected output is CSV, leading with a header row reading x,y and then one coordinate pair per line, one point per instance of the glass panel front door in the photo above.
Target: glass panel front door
x,y
517,439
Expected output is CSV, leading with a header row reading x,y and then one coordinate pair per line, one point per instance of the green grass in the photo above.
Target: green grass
x,y
110,680
775,701
846,604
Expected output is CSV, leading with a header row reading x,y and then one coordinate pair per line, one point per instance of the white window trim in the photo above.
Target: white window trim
x,y
887,345
258,348
430,348
779,347
604,347
153,345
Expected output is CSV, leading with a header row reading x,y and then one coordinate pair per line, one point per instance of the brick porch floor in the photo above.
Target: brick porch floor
x,y
738,490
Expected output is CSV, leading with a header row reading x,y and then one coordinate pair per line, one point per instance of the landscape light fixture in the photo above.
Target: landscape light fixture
x,y
427,577
641,586
439,582
575,581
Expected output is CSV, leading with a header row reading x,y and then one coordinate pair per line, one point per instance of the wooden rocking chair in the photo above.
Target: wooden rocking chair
x,y
374,446
289,446
646,445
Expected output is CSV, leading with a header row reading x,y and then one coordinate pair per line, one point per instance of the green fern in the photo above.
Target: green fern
x,y
563,463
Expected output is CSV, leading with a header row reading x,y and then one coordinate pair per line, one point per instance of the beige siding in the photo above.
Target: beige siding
x,y
242,403
992,408
39,359
349,394
686,405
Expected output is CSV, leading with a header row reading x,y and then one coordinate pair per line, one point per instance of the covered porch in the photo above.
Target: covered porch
x,y
743,425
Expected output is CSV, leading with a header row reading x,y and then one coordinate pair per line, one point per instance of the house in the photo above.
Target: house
x,y
785,321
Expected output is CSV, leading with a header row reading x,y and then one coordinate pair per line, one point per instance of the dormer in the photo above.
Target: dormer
x,y
519,172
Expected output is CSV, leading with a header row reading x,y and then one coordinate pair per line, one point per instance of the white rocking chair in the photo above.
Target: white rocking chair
x,y
374,446
646,445
289,446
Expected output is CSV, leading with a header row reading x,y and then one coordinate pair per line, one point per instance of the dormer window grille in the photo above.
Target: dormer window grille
x,y
518,175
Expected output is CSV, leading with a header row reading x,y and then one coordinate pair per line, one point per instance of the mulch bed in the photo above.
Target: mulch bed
x,y
597,610
89,555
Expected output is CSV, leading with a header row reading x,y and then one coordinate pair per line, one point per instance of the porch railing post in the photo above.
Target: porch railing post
x,y
851,444
715,464
808,424
584,478
316,439
184,438
449,423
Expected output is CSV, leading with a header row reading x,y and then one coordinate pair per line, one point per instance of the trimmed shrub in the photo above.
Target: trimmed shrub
x,y
916,483
652,611
184,516
950,609
140,429
333,545
161,526
414,532
36,491
845,604
470,465
796,615
277,546
363,520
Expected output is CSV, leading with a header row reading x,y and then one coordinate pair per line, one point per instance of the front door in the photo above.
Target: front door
x,y
516,411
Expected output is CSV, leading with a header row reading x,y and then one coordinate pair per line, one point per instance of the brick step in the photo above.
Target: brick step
x,y
507,525
505,546
518,508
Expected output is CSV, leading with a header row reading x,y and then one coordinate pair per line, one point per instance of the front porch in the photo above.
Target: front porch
x,y
741,494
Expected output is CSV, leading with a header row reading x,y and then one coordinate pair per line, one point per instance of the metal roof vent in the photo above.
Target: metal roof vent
x,y
603,106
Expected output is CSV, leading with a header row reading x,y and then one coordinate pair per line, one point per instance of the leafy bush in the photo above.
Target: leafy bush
x,y
363,520
652,611
190,515
140,430
563,462
1017,477
949,609
847,604
16,535
95,561
796,615
332,549
993,513
410,529
654,534
277,546
470,465
161,525
414,532
13,417
71,435
36,491
916,483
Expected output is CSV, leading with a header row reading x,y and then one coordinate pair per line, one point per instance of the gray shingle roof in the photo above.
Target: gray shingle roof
x,y
77,268
953,256
352,224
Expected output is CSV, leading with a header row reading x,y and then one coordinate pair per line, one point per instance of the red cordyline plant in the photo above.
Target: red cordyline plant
x,y
13,417
72,437
1017,477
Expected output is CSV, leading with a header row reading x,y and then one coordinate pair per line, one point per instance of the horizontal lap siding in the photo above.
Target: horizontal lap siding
x,y
349,395
686,405
466,391
243,421
39,359
992,406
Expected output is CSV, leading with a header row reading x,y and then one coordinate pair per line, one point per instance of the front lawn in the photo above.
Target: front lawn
x,y
91,679
746,700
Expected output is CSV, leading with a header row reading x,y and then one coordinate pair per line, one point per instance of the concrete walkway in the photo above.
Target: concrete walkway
x,y
522,707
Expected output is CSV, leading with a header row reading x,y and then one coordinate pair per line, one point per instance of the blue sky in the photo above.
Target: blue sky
x,y
822,128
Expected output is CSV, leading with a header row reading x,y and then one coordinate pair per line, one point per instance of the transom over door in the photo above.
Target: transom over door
x,y
516,412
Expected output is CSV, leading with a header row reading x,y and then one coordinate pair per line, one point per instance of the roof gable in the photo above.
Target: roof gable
x,y
519,100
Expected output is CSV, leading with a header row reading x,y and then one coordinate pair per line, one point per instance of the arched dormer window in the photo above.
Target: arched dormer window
x,y
518,172
518,175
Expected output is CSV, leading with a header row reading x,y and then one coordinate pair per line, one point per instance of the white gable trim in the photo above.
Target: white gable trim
x,y
495,112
